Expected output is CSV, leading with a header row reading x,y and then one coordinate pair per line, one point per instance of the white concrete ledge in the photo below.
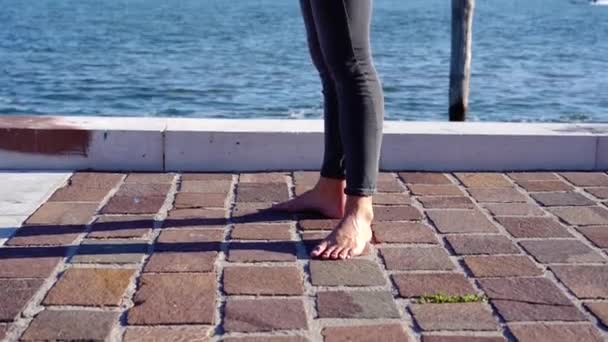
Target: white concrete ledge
x,y
171,144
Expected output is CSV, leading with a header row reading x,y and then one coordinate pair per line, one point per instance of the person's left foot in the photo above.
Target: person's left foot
x,y
350,237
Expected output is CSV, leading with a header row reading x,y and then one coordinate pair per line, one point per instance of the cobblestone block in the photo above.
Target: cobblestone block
x,y
396,213
15,295
176,262
435,190
254,231
555,332
63,213
72,325
164,334
446,202
255,315
582,216
481,244
416,259
461,221
263,281
502,266
561,251
533,227
514,209
455,316
586,282
403,232
497,195
262,251
424,178
131,226
352,272
356,304
415,285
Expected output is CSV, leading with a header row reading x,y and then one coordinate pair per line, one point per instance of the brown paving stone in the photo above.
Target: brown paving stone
x,y
366,333
130,226
586,178
561,251
454,316
600,192
502,266
588,282
175,262
389,186
207,187
72,325
532,176
14,296
352,272
262,177
256,192
259,213
596,234
164,334
96,179
252,315
403,232
515,209
267,339
417,284
261,232
552,199
416,259
582,216
90,287
36,262
600,310
461,338
482,179
497,195
533,227
134,205
262,251
150,178
529,299
386,176
110,251
142,190
182,298
555,332
481,244
541,186
245,280
225,177
197,217
391,199
444,202
461,221
45,235
356,304
175,236
189,200
424,178
322,224
396,213
63,213
435,190
79,193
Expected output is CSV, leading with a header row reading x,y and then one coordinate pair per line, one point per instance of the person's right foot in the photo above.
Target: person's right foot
x,y
326,198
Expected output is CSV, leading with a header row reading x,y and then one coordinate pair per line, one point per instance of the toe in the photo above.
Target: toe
x,y
336,253
328,252
344,253
321,247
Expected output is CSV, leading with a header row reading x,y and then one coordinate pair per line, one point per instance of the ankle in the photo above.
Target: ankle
x,y
360,206
330,185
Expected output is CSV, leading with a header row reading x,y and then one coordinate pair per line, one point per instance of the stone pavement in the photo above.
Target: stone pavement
x,y
195,257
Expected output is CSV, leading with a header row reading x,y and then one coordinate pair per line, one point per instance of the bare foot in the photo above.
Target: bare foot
x,y
352,234
327,198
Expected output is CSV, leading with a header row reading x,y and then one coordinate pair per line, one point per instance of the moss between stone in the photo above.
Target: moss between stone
x,y
440,298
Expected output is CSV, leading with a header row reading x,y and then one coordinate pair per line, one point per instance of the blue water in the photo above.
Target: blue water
x,y
534,60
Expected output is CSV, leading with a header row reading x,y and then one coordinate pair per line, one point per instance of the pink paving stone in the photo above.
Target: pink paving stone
x,y
366,333
555,332
150,178
391,199
514,209
443,202
435,190
391,185
72,325
352,272
59,235
502,266
582,216
90,287
600,192
256,315
142,190
424,178
217,216
96,179
80,193
356,304
189,240
461,221
207,187
110,251
600,310
258,192
245,280
267,339
552,199
262,251
461,338
130,226
15,295
403,232
588,282
134,205
254,231
262,177
164,334
540,186
529,299
182,298
454,316
189,200
561,251
482,179
29,263
226,177
396,213
322,224
63,213
497,195
533,227
176,262
482,244
586,178
532,176
419,284
259,213
416,259
598,235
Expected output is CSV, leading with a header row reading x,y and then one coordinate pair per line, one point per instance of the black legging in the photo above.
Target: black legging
x,y
338,39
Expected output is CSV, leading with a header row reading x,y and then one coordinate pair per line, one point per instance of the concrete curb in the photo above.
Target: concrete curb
x,y
171,144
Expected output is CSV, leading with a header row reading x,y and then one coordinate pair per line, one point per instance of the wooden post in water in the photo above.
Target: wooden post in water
x,y
460,65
